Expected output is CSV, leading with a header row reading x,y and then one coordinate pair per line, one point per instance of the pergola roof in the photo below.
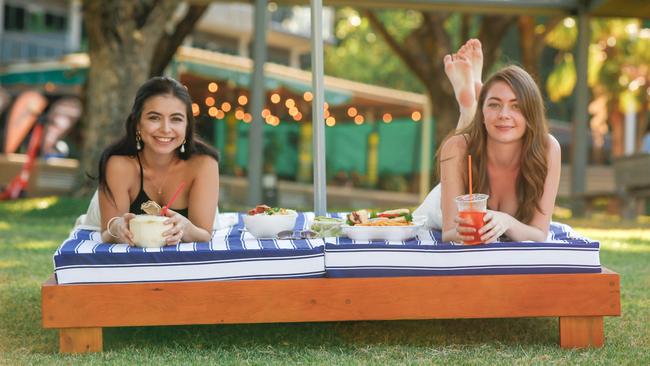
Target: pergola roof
x,y
599,8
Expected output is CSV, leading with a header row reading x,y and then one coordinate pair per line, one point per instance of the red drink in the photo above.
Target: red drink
x,y
477,223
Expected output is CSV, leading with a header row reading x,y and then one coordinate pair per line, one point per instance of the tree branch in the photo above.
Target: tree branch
x,y
168,44
407,58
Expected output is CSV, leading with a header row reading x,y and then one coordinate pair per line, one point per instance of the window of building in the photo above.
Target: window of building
x,y
14,18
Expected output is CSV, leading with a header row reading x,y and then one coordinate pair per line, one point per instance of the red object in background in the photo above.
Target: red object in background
x,y
19,183
24,113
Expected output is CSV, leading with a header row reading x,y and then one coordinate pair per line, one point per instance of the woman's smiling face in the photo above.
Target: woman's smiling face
x,y
163,123
503,118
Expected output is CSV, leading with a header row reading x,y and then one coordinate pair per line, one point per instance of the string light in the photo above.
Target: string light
x,y
297,117
358,119
266,112
209,101
416,116
387,118
220,114
226,106
330,121
195,109
308,96
213,87
352,112
213,111
242,100
239,114
248,118
289,103
293,111
275,98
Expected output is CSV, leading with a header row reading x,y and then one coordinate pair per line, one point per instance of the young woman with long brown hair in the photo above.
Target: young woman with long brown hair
x,y
515,160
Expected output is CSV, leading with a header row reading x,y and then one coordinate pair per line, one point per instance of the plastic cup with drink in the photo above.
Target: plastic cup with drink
x,y
473,207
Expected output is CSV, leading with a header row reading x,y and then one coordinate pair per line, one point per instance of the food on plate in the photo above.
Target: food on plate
x,y
151,208
266,210
265,222
398,217
358,217
327,226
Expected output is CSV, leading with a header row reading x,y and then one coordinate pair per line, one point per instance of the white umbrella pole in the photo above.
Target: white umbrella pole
x,y
318,123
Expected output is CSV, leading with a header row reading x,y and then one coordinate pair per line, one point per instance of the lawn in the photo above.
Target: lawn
x,y
30,231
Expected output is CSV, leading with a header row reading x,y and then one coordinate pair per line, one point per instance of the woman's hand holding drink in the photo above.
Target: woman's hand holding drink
x,y
471,211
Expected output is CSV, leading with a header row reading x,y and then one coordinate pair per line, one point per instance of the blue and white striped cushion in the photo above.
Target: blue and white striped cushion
x,y
231,254
563,252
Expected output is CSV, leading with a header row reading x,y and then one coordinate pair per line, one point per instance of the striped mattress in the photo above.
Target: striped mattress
x,y
234,254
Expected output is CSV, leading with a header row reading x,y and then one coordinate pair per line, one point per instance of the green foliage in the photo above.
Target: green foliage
x,y
562,80
362,55
31,230
563,37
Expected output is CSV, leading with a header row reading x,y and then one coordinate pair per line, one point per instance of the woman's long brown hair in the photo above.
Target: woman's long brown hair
x,y
533,159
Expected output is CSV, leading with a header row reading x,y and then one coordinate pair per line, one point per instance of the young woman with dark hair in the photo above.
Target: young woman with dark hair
x,y
159,152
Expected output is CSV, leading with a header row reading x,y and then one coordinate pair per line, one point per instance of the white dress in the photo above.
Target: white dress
x,y
431,209
92,219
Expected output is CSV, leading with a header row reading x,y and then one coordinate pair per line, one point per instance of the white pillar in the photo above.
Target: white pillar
x,y
73,39
425,149
2,26
320,188
630,129
294,58
242,46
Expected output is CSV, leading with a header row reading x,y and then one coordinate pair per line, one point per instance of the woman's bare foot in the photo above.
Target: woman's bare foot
x,y
473,51
459,71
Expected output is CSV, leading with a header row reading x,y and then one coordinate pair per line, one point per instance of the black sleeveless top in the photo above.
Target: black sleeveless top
x,y
142,197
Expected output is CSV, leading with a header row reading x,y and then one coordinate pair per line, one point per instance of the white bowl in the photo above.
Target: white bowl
x,y
148,230
268,226
389,233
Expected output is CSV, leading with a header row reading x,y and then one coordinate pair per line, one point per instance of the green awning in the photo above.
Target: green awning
x,y
243,80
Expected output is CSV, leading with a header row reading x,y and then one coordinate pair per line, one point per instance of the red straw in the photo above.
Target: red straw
x,y
163,212
469,170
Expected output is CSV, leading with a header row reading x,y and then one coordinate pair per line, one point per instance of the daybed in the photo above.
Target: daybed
x,y
100,285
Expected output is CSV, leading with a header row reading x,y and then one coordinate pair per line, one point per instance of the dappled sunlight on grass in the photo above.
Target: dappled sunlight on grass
x,y
11,264
37,244
30,204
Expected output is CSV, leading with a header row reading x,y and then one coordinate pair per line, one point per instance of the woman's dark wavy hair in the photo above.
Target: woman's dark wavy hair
x,y
126,146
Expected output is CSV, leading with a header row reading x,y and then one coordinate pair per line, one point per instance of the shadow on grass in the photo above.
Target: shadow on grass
x,y
414,333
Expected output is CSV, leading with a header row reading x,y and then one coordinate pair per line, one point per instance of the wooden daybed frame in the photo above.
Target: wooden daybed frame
x,y
579,300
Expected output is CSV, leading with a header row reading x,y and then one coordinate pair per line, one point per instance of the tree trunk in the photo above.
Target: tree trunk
x,y
122,39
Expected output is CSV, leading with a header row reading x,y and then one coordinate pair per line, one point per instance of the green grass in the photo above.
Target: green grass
x,y
30,230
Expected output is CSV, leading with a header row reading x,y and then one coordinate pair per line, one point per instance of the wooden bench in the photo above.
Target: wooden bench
x,y
579,301
632,181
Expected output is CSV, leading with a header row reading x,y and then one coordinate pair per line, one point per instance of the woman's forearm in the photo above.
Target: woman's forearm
x,y
522,232
194,233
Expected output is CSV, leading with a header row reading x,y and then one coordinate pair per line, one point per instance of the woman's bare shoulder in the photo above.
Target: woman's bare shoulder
x,y
554,149
120,164
454,145
202,161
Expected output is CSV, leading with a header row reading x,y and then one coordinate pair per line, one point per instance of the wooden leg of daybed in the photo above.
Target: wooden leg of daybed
x,y
80,340
581,331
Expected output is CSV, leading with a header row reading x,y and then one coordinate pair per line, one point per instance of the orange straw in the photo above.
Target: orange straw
x,y
163,212
469,170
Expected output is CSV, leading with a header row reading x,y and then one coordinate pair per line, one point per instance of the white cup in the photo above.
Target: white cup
x,y
148,230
